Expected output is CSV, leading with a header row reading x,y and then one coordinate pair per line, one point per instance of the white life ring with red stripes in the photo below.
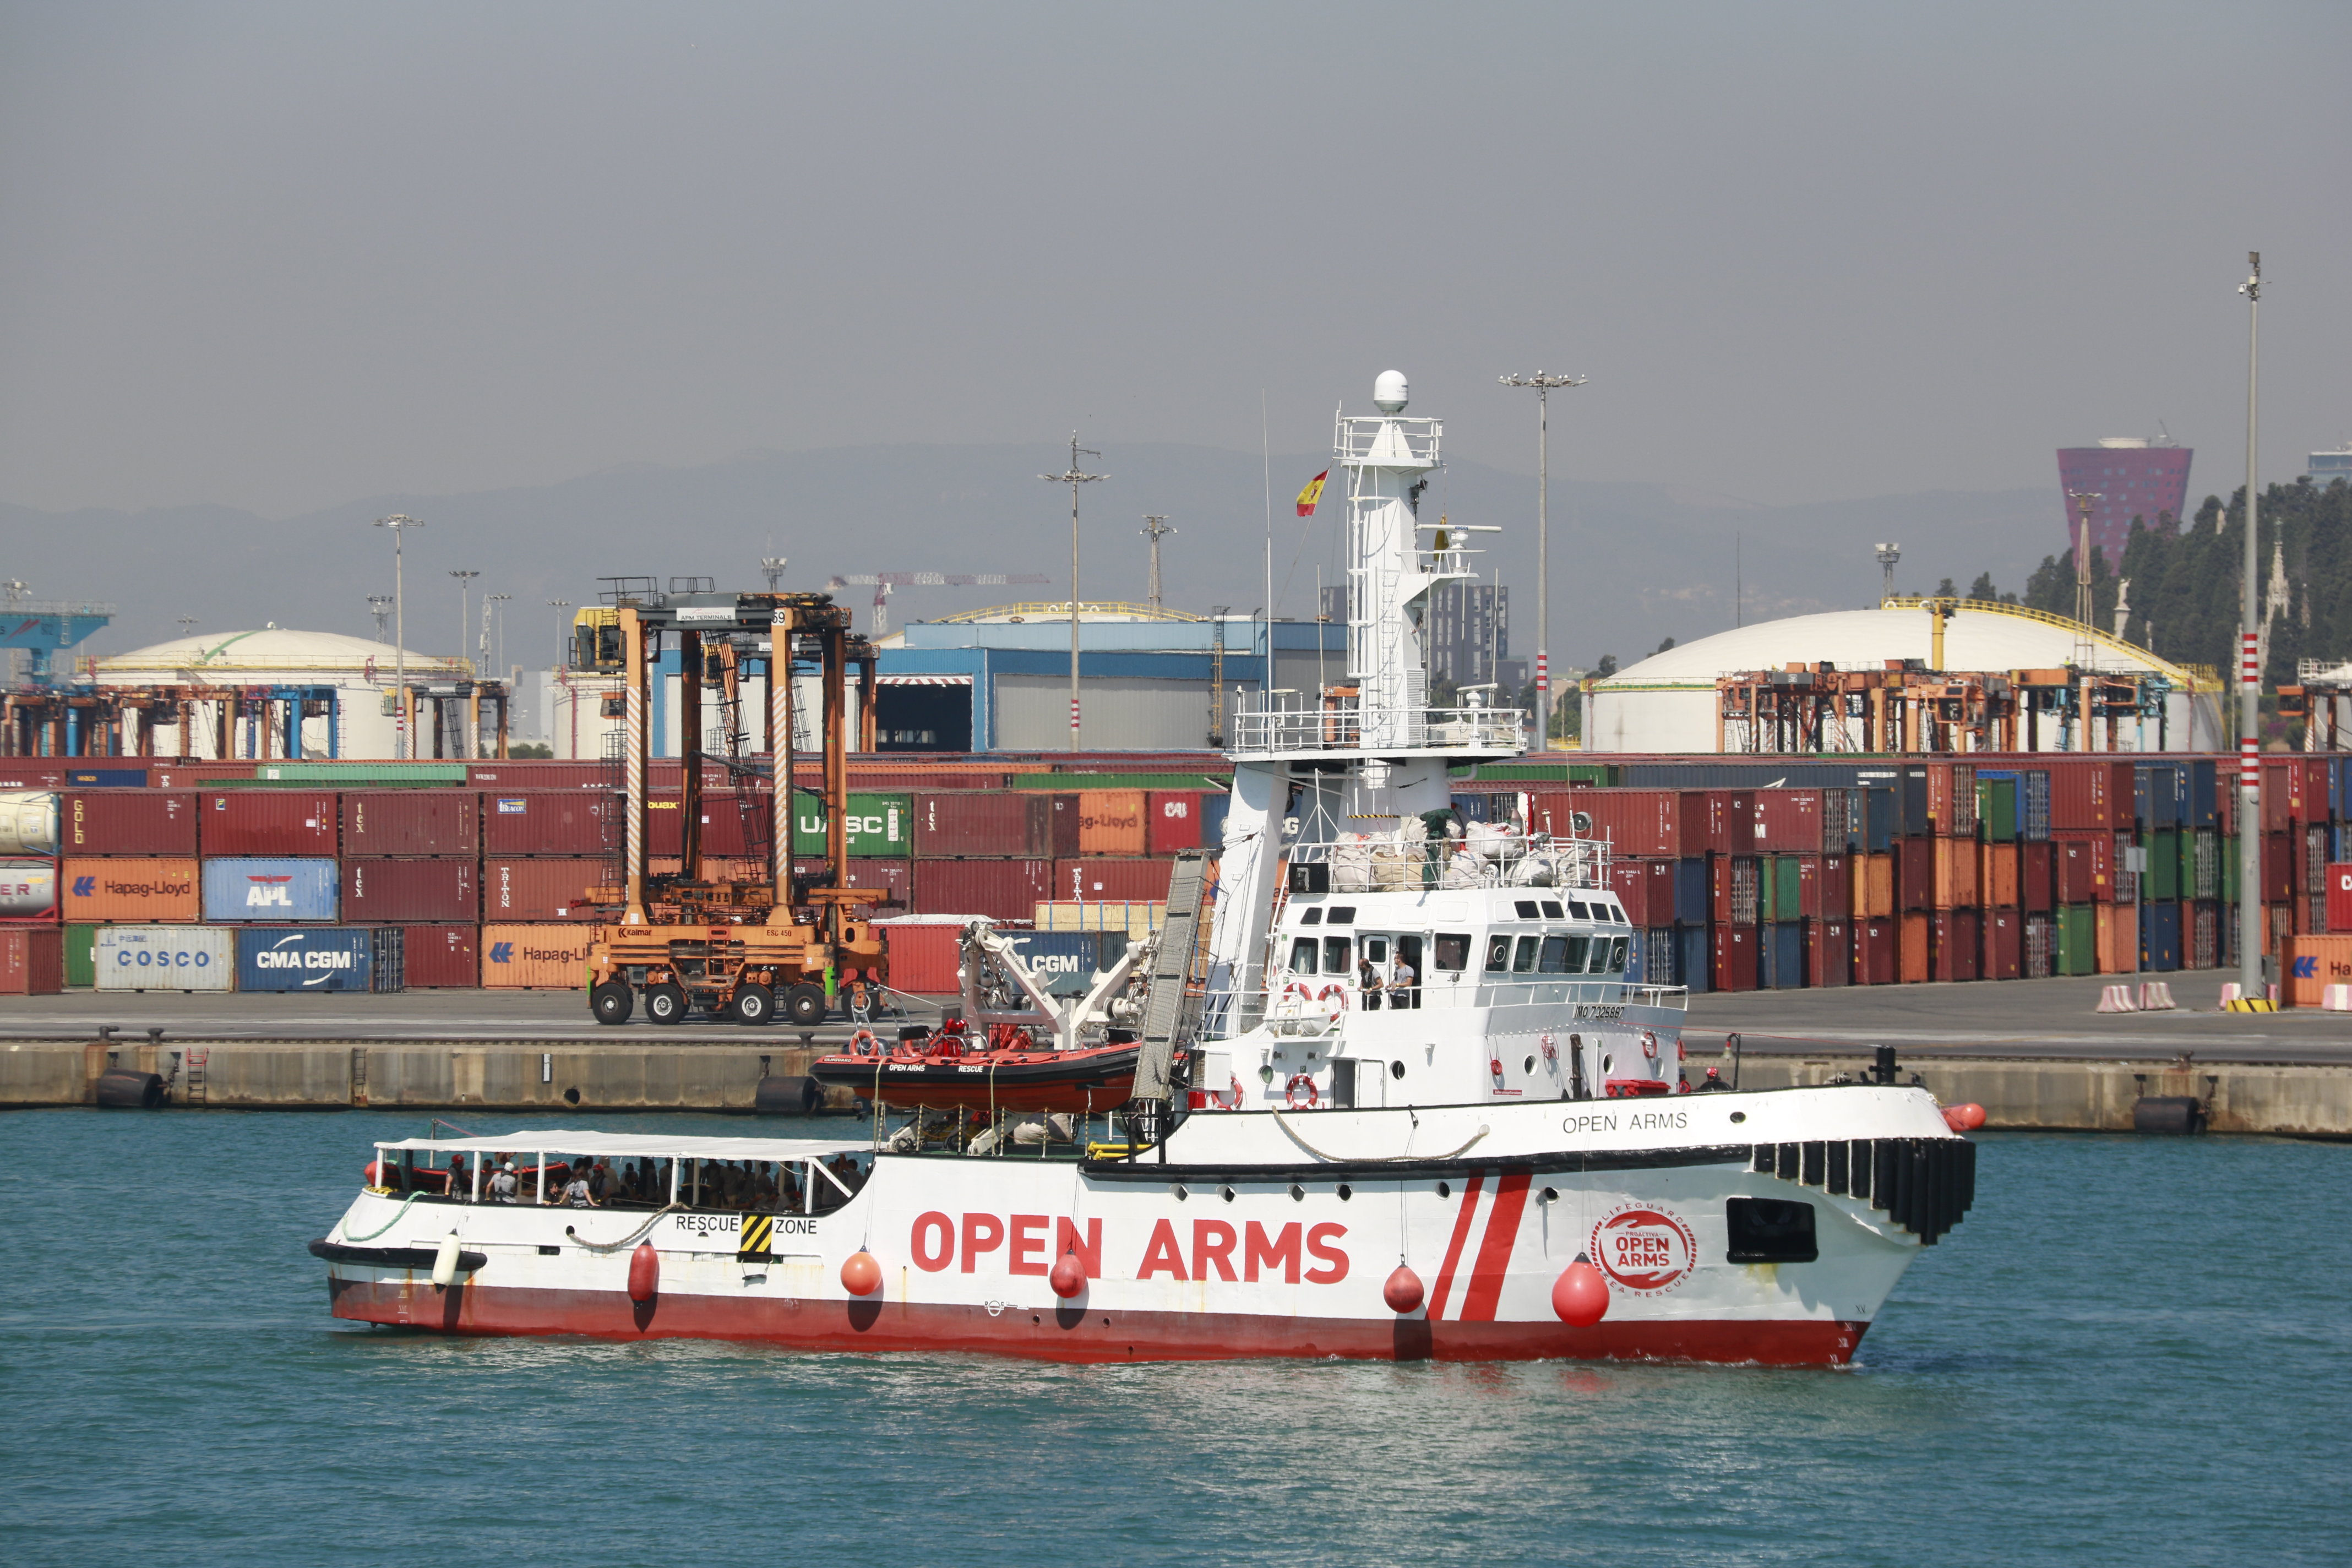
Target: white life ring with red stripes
x,y
1296,998
1335,997
1550,1052
1290,1092
1235,1102
1649,1044
864,1043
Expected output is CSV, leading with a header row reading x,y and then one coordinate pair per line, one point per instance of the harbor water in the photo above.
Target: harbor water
x,y
2132,1352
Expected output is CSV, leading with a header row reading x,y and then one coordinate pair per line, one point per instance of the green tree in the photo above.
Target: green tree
x,y
1982,589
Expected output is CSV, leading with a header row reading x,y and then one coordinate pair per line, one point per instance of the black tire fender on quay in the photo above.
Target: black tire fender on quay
x,y
121,1089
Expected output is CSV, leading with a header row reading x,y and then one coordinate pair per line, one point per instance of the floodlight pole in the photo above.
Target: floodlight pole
x,y
562,632
1543,382
1155,529
401,741
2249,678
1074,478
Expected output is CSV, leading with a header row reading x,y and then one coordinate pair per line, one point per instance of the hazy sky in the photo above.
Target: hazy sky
x,y
280,257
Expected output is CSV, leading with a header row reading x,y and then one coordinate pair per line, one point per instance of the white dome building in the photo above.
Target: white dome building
x,y
254,680
1667,703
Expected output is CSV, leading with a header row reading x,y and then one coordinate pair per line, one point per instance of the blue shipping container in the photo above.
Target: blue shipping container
x,y
1694,957
106,778
2159,937
1212,820
1065,961
2199,807
271,889
1690,891
306,958
1781,956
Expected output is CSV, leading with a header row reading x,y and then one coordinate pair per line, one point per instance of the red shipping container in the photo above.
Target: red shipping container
x,y
2087,795
268,822
2085,867
550,822
32,960
412,822
1646,888
895,878
1731,821
1011,824
2037,882
1102,880
127,822
1952,939
1829,952
1690,824
924,958
1735,958
1836,888
1172,820
30,773
1635,822
1788,822
537,890
522,772
2340,897
998,889
394,892
2294,791
1952,799
2280,852
1915,873
442,957
1874,950
1065,825
2003,951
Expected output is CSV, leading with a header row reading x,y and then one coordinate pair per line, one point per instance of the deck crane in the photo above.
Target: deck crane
x,y
883,582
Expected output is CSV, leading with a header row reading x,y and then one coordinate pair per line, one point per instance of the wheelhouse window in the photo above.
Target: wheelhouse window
x,y
1452,953
1523,962
1552,911
1341,915
1555,955
1617,946
1335,955
1312,917
1579,910
1498,954
1376,949
1528,910
1302,955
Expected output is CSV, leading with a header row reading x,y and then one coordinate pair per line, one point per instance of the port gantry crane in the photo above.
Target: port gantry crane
x,y
738,948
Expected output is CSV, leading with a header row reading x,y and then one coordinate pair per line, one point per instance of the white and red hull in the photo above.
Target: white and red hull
x,y
1259,1237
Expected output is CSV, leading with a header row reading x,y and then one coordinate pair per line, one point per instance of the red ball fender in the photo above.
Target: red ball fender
x,y
1402,1291
645,1273
1964,1117
1069,1275
860,1275
1580,1296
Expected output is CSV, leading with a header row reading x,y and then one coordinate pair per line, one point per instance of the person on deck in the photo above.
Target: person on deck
x,y
1403,985
504,1187
460,1184
1367,982
575,1191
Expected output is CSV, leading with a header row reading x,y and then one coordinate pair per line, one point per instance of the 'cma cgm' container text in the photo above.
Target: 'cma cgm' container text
x,y
257,888
281,958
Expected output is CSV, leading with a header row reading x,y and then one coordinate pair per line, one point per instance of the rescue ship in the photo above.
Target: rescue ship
x,y
1393,1096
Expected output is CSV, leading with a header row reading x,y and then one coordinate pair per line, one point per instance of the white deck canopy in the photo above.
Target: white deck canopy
x,y
633,1146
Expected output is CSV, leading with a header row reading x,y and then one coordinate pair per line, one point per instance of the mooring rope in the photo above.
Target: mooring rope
x,y
632,1238
1372,1159
350,1240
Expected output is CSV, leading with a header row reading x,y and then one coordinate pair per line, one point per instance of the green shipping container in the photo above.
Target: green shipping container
x,y
1787,893
1600,775
1996,810
347,776
881,826
2163,865
81,957
2078,939
2231,861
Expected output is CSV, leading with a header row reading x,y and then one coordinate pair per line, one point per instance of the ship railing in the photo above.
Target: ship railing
x,y
1504,859
1379,438
1293,722
1311,1006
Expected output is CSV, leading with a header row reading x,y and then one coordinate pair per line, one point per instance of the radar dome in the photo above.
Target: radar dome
x,y
1390,392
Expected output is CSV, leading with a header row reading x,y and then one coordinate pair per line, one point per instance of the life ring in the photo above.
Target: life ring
x,y
864,1043
1235,1103
1650,1045
1495,1066
1305,999
1551,1052
1290,1092
1337,995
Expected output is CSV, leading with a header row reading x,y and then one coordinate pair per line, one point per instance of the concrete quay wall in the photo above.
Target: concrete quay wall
x,y
2023,1093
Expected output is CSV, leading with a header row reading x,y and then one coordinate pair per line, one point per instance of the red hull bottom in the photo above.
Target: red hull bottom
x,y
1078,1334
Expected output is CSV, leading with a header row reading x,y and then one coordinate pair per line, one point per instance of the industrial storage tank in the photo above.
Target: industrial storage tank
x,y
1669,703
359,672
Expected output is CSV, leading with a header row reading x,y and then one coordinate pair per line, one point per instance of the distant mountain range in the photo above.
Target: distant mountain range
x,y
1633,563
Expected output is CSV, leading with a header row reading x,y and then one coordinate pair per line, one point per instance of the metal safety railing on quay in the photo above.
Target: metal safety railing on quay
x,y
1272,726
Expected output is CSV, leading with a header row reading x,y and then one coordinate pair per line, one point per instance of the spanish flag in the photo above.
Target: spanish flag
x,y
1312,494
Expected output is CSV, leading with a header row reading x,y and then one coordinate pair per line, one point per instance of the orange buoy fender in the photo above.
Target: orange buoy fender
x,y
1402,1291
860,1275
1069,1275
1580,1295
645,1273
1964,1117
